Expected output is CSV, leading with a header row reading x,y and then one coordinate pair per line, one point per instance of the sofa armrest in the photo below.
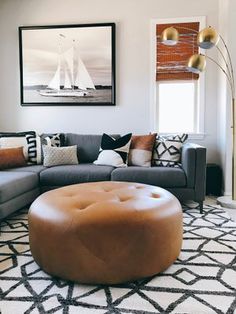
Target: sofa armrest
x,y
193,160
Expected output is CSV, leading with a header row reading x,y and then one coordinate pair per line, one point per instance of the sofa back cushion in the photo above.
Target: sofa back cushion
x,y
87,145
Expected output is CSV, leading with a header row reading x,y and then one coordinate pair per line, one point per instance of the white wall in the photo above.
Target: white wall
x,y
227,25
132,18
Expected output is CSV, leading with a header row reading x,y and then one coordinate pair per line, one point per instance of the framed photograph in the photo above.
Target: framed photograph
x,y
67,65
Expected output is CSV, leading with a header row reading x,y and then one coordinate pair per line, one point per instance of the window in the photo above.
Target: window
x,y
177,95
177,104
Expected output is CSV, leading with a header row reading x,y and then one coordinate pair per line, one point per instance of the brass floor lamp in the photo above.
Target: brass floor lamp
x,y
207,39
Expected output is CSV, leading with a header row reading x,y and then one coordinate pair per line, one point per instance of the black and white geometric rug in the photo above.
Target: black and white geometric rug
x,y
202,280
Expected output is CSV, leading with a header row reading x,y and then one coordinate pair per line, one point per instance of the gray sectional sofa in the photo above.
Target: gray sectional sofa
x,y
20,186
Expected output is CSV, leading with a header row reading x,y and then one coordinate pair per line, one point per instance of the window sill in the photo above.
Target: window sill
x,y
191,136
196,136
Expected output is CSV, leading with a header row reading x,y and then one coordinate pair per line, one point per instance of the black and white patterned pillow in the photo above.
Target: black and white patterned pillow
x,y
34,149
53,140
28,140
167,150
114,152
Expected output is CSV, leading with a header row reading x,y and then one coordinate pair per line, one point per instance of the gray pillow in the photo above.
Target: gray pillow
x,y
55,156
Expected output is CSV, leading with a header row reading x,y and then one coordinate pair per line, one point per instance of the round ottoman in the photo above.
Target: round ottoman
x,y
105,232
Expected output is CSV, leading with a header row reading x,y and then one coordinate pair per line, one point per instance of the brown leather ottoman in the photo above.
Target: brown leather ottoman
x,y
105,232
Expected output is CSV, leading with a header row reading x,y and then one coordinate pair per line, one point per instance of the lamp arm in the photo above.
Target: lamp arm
x,y
229,69
230,81
229,57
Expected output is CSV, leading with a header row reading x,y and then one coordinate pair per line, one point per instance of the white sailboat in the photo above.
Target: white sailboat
x,y
71,78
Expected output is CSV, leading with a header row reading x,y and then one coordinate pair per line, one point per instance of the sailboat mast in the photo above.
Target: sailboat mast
x,y
61,37
73,70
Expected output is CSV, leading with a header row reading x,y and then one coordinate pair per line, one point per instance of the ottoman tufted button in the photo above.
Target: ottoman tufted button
x,y
105,232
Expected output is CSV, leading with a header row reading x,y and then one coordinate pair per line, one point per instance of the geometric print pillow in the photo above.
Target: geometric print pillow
x,y
54,140
34,149
114,152
167,150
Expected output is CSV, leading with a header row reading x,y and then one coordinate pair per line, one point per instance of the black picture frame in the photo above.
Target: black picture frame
x,y
86,83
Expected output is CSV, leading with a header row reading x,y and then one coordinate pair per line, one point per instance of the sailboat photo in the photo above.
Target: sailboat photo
x,y
71,78
67,65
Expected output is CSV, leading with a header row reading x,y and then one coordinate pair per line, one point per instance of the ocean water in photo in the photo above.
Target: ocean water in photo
x,y
93,96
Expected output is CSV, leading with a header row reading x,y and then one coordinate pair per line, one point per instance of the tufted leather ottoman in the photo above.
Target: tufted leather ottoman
x,y
105,232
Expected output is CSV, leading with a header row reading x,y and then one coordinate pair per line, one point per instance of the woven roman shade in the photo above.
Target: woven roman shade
x,y
171,60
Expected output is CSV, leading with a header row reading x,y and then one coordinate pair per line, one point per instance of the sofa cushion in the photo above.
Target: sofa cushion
x,y
159,176
71,174
13,184
33,168
88,145
20,201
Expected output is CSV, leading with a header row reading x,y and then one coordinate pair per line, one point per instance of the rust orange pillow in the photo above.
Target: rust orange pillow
x,y
11,157
141,148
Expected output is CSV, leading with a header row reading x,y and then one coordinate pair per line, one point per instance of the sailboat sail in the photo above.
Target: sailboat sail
x,y
67,83
69,63
71,72
55,82
83,79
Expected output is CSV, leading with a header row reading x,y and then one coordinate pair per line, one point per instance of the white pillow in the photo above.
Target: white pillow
x,y
110,158
55,156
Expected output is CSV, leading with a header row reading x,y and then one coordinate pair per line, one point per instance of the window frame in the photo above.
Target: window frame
x,y
199,117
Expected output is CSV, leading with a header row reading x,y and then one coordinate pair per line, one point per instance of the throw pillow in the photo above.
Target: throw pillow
x,y
55,156
34,149
54,140
11,157
114,152
28,140
141,150
167,150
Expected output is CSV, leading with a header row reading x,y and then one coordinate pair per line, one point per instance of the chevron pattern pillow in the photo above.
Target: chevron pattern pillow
x,y
167,150
114,152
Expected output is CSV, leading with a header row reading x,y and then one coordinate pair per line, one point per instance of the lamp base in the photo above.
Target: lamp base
x,y
227,202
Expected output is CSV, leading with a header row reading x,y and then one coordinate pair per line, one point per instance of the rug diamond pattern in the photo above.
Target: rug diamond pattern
x,y
202,280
